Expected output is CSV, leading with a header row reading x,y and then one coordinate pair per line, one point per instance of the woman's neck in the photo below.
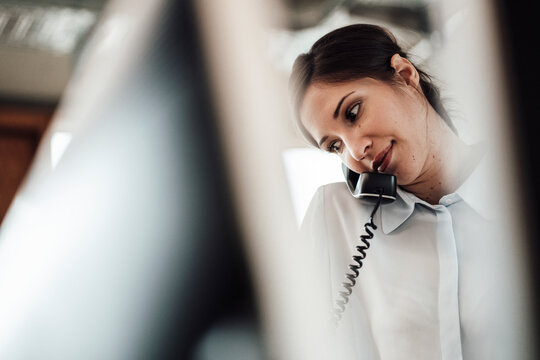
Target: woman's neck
x,y
449,163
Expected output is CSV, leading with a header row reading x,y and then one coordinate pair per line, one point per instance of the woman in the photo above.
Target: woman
x,y
426,289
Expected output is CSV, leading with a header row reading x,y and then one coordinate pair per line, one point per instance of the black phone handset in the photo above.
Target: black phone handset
x,y
375,188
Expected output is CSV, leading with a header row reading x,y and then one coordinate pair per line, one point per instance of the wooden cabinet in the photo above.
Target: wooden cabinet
x,y
21,128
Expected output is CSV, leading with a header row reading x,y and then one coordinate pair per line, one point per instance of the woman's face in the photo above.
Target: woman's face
x,y
371,125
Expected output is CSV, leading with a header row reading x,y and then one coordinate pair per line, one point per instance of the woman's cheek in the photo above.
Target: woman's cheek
x,y
407,172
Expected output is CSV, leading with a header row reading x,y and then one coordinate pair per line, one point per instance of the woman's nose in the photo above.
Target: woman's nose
x,y
358,148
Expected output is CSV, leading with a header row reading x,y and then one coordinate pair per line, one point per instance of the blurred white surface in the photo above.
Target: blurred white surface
x,y
307,169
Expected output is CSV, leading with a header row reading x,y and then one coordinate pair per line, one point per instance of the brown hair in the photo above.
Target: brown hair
x,y
354,52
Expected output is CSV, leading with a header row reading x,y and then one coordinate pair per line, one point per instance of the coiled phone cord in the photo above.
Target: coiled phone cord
x,y
343,296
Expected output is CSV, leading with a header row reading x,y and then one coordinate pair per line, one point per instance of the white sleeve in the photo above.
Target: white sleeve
x,y
313,234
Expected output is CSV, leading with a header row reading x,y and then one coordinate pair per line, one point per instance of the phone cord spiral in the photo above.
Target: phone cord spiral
x,y
343,296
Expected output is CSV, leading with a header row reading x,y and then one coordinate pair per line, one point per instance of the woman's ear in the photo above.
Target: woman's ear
x,y
405,70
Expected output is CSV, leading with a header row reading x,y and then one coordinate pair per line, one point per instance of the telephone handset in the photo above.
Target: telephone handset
x,y
377,189
370,186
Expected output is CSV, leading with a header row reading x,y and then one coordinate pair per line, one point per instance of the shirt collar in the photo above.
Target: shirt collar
x,y
395,213
475,191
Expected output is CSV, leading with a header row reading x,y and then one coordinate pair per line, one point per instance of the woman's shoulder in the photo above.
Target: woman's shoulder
x,y
335,199
334,191
333,214
337,194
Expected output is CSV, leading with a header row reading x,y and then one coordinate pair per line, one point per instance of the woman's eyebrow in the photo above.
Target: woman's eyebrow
x,y
336,113
322,141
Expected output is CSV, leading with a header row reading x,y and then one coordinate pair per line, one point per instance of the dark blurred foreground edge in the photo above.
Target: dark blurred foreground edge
x,y
519,39
220,298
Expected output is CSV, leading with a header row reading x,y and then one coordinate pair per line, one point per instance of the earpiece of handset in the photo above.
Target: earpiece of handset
x,y
369,186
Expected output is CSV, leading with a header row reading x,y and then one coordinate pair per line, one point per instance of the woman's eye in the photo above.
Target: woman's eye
x,y
334,147
352,113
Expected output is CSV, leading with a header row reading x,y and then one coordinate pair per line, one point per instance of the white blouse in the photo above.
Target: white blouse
x,y
438,282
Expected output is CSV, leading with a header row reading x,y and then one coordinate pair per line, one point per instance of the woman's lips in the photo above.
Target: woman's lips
x,y
382,160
